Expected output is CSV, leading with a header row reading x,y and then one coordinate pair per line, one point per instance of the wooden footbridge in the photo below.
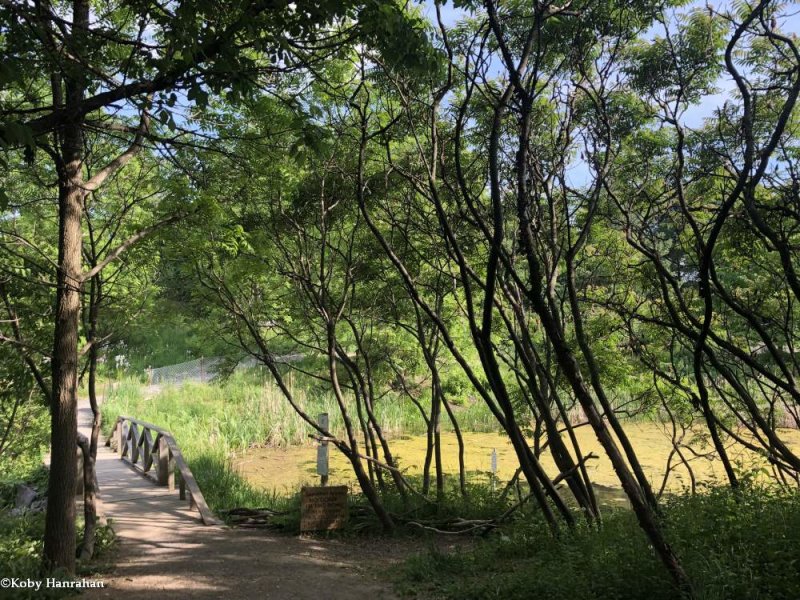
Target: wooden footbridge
x,y
155,453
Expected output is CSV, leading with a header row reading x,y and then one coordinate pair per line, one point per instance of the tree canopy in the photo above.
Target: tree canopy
x,y
567,212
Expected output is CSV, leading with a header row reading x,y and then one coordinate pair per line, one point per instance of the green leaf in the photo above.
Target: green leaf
x,y
198,95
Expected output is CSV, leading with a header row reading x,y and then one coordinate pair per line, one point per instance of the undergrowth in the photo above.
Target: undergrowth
x,y
22,541
733,545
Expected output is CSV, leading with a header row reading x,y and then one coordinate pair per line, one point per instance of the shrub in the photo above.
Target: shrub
x,y
733,545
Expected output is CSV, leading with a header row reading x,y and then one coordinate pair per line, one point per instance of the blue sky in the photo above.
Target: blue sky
x,y
789,23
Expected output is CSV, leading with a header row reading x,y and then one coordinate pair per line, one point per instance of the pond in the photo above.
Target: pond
x,y
285,470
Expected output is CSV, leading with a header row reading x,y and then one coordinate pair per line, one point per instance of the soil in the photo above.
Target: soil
x,y
216,562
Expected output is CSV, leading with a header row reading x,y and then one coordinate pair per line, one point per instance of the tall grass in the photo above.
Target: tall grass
x,y
246,410
212,422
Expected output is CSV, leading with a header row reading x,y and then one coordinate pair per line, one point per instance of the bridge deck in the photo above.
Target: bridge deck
x,y
164,548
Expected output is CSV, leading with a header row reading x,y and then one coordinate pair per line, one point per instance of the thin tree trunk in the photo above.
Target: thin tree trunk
x,y
89,509
437,440
355,460
462,471
426,469
90,459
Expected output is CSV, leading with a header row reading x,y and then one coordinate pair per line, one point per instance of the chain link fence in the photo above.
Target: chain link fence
x,y
205,369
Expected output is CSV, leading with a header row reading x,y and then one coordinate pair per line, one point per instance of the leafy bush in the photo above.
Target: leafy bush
x,y
26,442
732,545
22,535
21,544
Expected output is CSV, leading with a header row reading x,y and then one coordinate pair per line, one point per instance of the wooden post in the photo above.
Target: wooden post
x,y
134,442
118,437
166,464
123,439
323,452
147,447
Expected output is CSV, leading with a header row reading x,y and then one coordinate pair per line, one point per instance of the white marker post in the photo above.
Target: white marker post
x,y
322,451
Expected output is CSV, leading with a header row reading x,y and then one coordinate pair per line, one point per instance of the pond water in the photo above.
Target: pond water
x,y
285,470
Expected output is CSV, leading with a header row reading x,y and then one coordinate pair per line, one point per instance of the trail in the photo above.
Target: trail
x,y
164,548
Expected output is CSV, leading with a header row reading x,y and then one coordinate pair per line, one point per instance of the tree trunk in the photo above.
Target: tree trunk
x,y
645,513
437,441
59,535
363,479
429,444
59,539
462,470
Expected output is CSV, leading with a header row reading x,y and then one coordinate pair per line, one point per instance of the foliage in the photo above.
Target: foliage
x,y
733,545
22,456
520,220
21,551
248,409
21,536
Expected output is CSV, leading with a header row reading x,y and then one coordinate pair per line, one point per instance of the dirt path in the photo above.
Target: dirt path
x,y
163,547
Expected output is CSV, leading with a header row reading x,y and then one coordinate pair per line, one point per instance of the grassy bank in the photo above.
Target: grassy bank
x,y
247,409
213,422
733,546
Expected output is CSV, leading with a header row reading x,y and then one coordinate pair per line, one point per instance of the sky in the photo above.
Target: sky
x,y
789,24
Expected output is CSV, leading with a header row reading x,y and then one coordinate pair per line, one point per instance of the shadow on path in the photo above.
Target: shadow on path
x,y
164,548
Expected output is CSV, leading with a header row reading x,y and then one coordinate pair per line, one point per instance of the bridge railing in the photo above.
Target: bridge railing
x,y
155,453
